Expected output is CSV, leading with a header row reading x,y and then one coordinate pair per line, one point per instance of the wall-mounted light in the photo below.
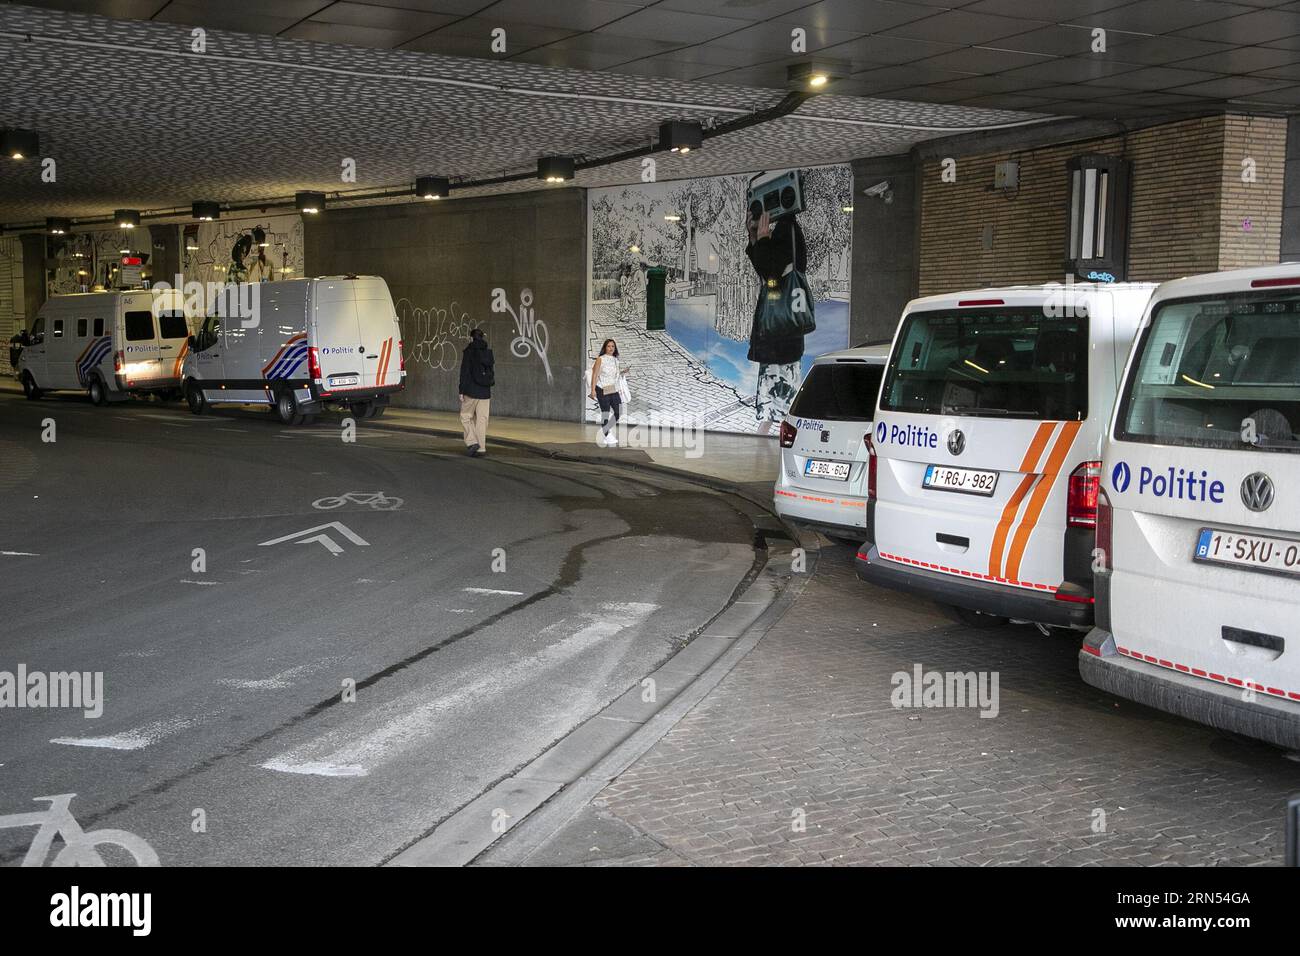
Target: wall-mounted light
x,y
672,217
57,226
555,169
680,137
309,202
19,143
847,208
205,211
810,76
127,218
125,251
433,187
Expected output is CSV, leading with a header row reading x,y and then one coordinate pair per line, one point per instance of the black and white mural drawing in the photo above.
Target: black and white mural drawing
x,y
695,372
243,250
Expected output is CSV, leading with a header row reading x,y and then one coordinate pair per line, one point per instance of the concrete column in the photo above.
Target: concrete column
x,y
33,274
1290,250
884,247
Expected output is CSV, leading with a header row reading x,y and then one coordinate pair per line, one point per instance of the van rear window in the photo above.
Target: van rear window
x,y
843,392
172,325
1217,372
1011,362
139,326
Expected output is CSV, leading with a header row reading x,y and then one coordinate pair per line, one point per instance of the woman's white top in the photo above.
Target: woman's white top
x,y
607,373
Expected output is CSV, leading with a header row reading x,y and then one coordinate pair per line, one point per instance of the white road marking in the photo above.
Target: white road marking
x,y
492,591
20,554
204,583
278,681
135,739
322,539
242,431
413,718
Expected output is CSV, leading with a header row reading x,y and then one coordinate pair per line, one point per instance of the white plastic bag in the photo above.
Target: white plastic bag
x,y
624,392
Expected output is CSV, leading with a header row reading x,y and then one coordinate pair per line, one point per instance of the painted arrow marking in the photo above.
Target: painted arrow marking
x,y
323,539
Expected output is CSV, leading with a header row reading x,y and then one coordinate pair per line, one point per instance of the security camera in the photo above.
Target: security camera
x,y
880,190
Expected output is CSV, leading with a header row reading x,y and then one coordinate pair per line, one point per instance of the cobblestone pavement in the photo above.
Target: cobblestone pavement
x,y
803,729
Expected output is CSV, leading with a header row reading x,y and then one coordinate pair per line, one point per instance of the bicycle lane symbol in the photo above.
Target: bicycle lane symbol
x,y
79,845
377,501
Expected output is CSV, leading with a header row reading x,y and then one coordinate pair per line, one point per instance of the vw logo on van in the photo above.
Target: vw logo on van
x,y
1120,476
1257,491
956,441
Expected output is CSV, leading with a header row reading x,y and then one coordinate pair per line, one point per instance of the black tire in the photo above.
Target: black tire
x,y
194,398
96,390
286,408
978,619
377,411
30,389
308,420
362,410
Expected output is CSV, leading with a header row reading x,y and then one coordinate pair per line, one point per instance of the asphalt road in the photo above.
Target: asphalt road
x,y
225,684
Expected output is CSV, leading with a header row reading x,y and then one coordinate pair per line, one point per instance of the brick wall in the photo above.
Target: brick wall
x,y
1186,207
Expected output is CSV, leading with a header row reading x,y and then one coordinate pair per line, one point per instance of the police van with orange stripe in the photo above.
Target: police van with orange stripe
x,y
309,342
1198,599
986,448
111,345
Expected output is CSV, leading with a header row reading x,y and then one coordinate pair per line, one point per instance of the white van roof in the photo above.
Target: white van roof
x,y
872,354
1234,280
1028,294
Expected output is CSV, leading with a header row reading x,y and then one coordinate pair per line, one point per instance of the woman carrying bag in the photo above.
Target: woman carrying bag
x,y
608,384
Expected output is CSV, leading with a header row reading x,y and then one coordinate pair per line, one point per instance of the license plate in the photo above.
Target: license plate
x,y
836,470
1255,551
337,380
966,480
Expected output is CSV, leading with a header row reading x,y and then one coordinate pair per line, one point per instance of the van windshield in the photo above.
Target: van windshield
x,y
842,392
990,363
1217,372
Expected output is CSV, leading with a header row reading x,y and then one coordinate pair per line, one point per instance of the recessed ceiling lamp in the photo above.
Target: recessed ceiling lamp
x,y
309,202
57,226
433,187
127,218
673,217
205,211
555,169
19,143
680,137
809,77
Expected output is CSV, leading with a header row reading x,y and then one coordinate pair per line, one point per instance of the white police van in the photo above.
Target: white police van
x,y
310,342
109,344
988,439
826,467
1198,605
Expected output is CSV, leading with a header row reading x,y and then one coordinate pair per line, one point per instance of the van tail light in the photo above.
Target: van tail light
x,y
119,361
1105,533
401,356
1081,499
871,466
788,433
313,364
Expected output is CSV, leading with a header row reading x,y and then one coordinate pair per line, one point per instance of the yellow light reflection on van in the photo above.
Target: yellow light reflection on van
x,y
1191,381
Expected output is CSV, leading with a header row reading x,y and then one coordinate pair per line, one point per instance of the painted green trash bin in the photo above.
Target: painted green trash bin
x,y
656,277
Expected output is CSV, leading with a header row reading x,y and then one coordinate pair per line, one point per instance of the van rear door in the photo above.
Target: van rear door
x,y
831,415
337,334
377,321
979,426
1202,475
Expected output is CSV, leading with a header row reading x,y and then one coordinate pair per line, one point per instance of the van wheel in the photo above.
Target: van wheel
x,y
377,410
95,389
286,406
29,387
308,420
194,398
964,615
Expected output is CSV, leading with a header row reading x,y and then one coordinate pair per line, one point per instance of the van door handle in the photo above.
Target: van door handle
x,y
376,355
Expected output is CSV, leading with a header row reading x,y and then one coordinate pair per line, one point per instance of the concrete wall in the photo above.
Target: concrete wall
x,y
443,260
884,247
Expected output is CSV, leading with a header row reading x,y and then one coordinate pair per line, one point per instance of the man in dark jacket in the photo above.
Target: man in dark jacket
x,y
477,376
772,250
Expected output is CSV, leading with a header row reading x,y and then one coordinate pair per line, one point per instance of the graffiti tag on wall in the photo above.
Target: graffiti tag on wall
x,y
530,332
433,337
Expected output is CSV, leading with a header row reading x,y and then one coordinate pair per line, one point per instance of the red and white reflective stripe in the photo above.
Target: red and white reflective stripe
x,y
1209,675
824,501
968,574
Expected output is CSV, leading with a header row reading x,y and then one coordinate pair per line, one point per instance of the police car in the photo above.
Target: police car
x,y
1198,599
988,438
826,466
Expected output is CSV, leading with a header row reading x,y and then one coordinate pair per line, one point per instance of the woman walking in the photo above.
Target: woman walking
x,y
605,372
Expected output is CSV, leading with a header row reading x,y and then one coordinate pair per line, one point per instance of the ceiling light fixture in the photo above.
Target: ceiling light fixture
x,y
555,169
809,76
57,226
309,202
680,137
433,187
673,217
127,218
205,211
19,143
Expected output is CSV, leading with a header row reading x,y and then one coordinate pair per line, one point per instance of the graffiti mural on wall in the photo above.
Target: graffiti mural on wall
x,y
84,261
530,332
433,337
696,372
243,250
